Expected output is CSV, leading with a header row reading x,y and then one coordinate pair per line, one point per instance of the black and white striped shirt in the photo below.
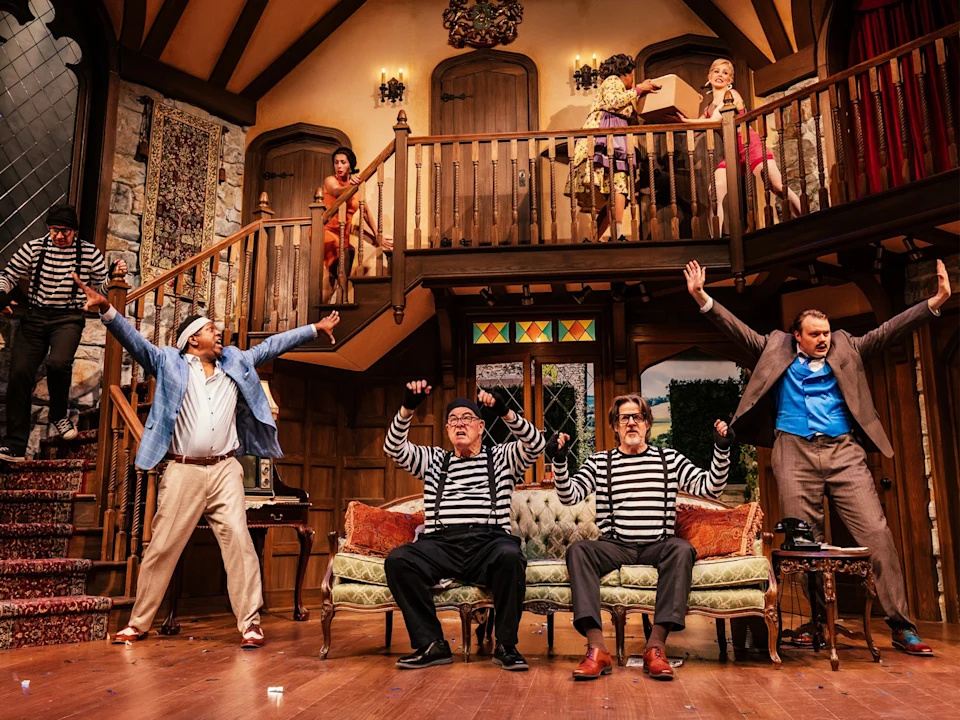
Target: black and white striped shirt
x,y
56,287
466,494
644,505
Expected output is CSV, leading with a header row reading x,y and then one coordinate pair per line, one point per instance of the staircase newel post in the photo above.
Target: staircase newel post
x,y
317,274
397,266
117,290
728,114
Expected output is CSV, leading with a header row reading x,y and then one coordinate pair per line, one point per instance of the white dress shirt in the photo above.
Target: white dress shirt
x,y
207,421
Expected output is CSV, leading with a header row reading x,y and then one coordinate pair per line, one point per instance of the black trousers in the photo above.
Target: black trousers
x,y
41,331
590,560
478,554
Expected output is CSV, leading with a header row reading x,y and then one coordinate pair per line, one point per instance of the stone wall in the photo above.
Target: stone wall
x,y
123,241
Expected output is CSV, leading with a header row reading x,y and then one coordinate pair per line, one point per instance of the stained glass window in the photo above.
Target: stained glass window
x,y
534,331
577,330
491,333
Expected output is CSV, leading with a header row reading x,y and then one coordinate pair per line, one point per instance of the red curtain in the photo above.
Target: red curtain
x,y
883,25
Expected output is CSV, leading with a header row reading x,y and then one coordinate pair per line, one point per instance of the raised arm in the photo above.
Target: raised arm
x,y
896,327
98,271
707,483
580,486
415,459
745,336
518,455
276,345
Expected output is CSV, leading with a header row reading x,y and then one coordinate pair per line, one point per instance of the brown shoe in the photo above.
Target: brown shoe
x,y
656,665
596,663
252,637
128,635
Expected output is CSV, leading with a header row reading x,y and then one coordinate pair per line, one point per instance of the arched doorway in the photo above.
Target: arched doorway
x,y
289,163
487,91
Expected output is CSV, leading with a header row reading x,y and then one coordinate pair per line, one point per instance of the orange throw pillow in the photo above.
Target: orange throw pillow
x,y
719,533
375,532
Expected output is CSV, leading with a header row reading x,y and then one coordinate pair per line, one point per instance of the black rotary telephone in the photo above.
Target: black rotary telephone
x,y
798,535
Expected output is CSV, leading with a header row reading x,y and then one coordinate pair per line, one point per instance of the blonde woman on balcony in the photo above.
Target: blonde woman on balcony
x,y
613,107
344,177
720,78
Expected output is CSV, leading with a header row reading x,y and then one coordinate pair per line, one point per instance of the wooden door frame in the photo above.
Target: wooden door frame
x,y
257,152
698,43
510,58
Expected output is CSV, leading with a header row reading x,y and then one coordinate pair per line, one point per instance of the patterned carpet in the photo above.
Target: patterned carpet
x,y
42,591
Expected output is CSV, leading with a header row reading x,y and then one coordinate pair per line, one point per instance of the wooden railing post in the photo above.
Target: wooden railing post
x,y
734,193
117,290
317,209
397,268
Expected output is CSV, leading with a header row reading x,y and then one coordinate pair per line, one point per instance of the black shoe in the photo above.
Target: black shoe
x,y
509,658
436,653
11,456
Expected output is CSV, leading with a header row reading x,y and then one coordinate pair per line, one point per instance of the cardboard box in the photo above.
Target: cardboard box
x,y
674,94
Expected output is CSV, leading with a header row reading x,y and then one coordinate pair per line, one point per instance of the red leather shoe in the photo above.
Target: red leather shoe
x,y
656,665
128,634
252,637
596,663
906,639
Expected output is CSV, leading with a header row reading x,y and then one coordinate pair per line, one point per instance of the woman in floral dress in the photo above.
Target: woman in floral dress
x,y
613,107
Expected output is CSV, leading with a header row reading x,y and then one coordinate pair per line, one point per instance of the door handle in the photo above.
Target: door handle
x,y
886,483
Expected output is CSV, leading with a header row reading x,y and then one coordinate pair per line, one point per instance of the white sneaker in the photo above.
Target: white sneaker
x,y
8,455
65,428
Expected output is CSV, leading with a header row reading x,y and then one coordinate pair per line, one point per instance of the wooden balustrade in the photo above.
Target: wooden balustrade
x,y
853,134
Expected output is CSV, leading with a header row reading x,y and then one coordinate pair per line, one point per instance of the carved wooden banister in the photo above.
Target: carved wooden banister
x,y
368,172
547,134
126,412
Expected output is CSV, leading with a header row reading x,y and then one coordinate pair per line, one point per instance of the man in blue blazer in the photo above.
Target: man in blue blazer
x,y
208,407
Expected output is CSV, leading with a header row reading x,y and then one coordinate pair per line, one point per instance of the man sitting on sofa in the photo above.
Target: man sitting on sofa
x,y
636,488
466,499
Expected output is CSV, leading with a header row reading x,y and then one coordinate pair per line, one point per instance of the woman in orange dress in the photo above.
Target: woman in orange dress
x,y
344,177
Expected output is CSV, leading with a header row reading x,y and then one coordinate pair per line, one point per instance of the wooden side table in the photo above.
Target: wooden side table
x,y
828,563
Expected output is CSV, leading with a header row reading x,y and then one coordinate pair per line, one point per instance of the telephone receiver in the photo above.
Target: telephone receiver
x,y
798,535
792,525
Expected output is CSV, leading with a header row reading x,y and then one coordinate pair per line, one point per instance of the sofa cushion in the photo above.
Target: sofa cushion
x,y
719,533
359,568
375,532
367,595
546,527
712,573
726,599
554,572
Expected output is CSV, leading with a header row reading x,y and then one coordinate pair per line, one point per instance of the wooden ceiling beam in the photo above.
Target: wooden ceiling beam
x,y
773,28
305,44
714,19
936,236
237,42
772,281
170,13
131,28
803,31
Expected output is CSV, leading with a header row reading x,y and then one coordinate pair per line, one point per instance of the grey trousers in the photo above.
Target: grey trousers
x,y
185,493
590,560
806,469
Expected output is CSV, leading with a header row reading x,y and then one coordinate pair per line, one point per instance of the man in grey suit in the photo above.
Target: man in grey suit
x,y
809,399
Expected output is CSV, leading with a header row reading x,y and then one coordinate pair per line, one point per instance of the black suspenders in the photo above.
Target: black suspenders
x,y
35,287
666,491
442,482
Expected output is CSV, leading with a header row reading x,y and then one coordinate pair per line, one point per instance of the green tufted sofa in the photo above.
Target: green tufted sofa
x,y
722,588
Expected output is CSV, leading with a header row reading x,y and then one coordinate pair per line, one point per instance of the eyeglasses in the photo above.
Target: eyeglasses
x,y
461,421
626,419
60,231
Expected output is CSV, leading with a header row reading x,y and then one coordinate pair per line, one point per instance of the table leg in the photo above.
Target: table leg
x,y
814,609
171,626
259,537
305,535
871,594
830,595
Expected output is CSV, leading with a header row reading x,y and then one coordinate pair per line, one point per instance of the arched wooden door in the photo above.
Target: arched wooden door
x,y
486,91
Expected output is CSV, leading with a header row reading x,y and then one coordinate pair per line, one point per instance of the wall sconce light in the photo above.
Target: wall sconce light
x,y
644,295
585,76
488,297
878,258
584,293
527,298
913,252
391,89
814,277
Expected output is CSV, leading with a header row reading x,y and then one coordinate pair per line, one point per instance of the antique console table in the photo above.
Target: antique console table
x,y
274,505
828,563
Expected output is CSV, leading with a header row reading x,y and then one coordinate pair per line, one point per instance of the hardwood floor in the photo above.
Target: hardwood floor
x,y
210,677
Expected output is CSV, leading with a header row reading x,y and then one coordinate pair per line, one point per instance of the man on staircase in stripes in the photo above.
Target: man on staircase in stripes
x,y
52,322
466,498
636,487
208,407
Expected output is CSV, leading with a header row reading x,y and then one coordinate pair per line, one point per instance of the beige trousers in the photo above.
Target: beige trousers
x,y
186,493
